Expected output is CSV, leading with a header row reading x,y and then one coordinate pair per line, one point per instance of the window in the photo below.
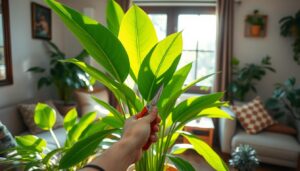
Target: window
x,y
199,38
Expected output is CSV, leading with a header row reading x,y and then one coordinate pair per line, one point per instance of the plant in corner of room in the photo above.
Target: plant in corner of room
x,y
244,78
290,27
64,76
33,153
256,22
129,49
244,158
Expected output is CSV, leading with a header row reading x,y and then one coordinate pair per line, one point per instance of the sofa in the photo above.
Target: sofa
x,y
272,148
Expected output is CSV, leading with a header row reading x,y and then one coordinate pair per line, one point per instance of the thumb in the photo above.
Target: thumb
x,y
152,115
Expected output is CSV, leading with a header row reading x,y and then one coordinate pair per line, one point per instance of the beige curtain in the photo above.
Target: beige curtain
x,y
225,10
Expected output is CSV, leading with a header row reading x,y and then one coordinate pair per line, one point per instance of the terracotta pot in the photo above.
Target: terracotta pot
x,y
64,108
168,167
255,30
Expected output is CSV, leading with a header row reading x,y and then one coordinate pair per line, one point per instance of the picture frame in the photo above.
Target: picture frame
x,y
256,25
41,20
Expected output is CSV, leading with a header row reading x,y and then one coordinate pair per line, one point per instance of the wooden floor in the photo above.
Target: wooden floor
x,y
200,164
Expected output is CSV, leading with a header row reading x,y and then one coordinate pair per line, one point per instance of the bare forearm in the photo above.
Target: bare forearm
x,y
116,158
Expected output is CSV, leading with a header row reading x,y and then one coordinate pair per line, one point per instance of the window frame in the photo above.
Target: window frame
x,y
172,13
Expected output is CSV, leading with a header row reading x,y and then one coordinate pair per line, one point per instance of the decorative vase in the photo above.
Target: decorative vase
x,y
255,30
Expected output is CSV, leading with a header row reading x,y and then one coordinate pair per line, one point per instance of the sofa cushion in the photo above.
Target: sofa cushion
x,y
27,112
282,129
269,145
6,139
253,116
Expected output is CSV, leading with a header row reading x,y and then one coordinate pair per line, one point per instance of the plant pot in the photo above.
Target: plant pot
x,y
168,167
255,30
63,107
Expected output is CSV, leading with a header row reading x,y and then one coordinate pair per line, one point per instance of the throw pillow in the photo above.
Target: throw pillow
x,y
6,139
282,129
253,116
27,113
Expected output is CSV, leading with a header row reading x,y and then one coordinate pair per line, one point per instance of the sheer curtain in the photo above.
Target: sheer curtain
x,y
225,10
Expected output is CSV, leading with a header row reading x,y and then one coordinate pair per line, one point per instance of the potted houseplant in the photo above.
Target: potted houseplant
x,y
285,101
256,22
244,158
66,77
32,152
290,27
244,78
132,51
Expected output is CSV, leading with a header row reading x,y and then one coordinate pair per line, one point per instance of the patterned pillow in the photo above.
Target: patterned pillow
x,y
6,139
27,113
253,116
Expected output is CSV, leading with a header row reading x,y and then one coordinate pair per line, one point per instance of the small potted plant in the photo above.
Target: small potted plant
x,y
244,158
256,22
66,77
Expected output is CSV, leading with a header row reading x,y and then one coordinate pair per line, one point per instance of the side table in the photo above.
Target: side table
x,y
203,128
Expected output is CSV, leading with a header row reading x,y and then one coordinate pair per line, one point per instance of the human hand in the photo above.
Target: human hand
x,y
137,132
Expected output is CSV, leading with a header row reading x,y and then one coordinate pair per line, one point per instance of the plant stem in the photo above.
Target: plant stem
x,y
54,138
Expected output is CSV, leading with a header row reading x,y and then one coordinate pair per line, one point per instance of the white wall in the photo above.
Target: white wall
x,y
72,47
251,50
26,52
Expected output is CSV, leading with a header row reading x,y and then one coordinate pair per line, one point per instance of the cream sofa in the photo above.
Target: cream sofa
x,y
272,148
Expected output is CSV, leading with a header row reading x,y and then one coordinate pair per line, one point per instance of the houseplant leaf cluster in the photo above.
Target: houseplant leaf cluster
x,y
290,27
129,50
245,78
83,141
244,158
64,76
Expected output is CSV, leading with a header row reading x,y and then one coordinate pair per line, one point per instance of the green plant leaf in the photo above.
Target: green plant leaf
x,y
196,81
44,116
114,16
206,151
99,42
31,142
121,91
181,164
114,122
174,85
97,126
70,119
159,65
138,36
214,112
36,69
83,123
180,148
112,110
83,149
48,157
189,108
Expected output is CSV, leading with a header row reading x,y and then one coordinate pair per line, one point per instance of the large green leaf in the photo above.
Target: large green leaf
x,y
181,164
114,16
180,148
70,119
83,149
113,121
174,85
93,128
192,106
206,151
83,123
159,65
112,110
44,116
31,142
121,91
99,42
138,36
214,112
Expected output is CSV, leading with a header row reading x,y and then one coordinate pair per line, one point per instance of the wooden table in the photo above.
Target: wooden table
x,y
203,128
